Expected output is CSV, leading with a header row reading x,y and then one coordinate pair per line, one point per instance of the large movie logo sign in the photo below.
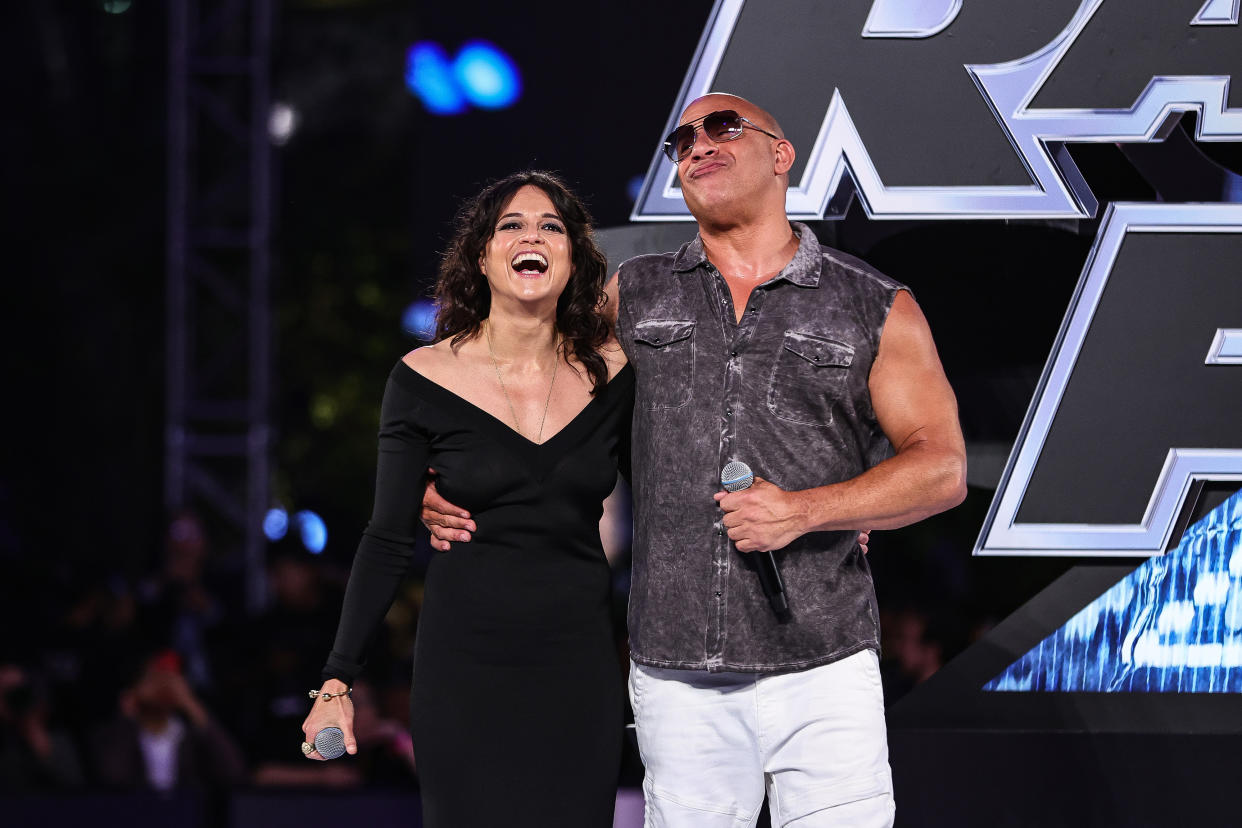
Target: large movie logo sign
x,y
1141,399
971,113
939,109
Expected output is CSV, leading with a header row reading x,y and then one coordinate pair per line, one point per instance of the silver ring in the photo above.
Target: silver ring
x,y
307,748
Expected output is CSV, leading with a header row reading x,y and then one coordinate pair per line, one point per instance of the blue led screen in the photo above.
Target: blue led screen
x,y
1174,625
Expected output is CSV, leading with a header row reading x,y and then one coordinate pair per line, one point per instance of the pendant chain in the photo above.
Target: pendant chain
x,y
492,353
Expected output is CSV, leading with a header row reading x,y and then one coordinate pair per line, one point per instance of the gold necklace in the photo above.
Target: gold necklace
x,y
492,353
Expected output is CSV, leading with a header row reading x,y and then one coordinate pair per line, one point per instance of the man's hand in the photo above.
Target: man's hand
x,y
446,521
762,518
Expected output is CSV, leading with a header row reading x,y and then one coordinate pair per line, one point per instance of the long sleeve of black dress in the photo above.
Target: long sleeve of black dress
x,y
387,544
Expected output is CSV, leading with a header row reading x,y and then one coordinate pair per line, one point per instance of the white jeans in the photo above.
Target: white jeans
x,y
711,742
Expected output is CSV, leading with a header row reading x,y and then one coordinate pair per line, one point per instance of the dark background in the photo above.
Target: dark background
x,y
363,194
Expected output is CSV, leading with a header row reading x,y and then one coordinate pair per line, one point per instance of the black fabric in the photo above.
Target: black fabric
x,y
517,706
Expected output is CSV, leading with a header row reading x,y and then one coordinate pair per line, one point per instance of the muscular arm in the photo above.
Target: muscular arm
x,y
918,412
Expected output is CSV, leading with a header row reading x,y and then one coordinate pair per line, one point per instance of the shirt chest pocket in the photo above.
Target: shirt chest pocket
x,y
665,351
810,375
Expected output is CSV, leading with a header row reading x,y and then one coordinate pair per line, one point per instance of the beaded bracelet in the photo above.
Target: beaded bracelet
x,y
326,696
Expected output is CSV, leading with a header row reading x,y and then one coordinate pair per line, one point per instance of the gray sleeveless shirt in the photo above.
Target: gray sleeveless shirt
x,y
785,391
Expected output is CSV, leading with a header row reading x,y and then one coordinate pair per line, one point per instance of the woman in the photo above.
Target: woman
x,y
522,406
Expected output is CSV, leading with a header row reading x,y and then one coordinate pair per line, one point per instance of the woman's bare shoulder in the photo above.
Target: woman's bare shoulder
x,y
453,368
431,361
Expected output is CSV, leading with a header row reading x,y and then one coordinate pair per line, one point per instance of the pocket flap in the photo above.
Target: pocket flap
x,y
818,350
662,331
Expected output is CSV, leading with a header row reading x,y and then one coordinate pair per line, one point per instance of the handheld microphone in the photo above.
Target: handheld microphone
x,y
330,742
736,476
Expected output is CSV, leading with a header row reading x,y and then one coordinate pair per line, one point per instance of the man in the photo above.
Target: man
x,y
754,343
163,737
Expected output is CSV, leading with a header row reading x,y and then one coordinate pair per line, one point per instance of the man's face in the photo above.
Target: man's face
x,y
716,174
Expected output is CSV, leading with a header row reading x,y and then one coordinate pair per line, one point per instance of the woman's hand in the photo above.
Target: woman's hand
x,y
337,711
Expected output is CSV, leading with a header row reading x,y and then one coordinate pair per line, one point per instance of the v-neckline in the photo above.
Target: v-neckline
x,y
515,434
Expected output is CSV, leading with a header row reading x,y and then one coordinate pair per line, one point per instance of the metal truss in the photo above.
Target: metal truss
x,y
218,318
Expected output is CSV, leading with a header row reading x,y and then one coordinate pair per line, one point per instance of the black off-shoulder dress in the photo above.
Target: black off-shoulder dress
x,y
517,706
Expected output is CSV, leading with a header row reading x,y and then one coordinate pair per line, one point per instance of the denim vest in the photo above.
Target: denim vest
x,y
785,391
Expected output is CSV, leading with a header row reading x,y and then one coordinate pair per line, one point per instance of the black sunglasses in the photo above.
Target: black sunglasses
x,y
724,125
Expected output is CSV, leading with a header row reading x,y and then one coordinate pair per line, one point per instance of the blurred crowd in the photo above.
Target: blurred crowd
x,y
165,682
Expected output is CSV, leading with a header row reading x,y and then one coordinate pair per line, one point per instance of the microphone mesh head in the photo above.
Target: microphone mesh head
x,y
330,742
736,476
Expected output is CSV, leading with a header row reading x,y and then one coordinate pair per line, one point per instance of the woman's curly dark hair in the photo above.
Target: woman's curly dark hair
x,y
464,299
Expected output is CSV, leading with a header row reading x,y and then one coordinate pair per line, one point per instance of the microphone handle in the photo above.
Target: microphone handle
x,y
773,586
735,477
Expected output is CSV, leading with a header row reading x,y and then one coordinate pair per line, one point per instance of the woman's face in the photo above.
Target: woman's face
x,y
529,257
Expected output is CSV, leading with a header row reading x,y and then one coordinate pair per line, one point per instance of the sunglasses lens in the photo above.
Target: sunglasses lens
x,y
719,126
722,126
679,142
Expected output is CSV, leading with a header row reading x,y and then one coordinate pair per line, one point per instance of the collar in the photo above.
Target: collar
x,y
802,270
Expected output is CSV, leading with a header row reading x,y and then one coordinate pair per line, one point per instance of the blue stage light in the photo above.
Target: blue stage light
x,y
313,531
634,187
419,320
487,76
429,75
275,524
1233,187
